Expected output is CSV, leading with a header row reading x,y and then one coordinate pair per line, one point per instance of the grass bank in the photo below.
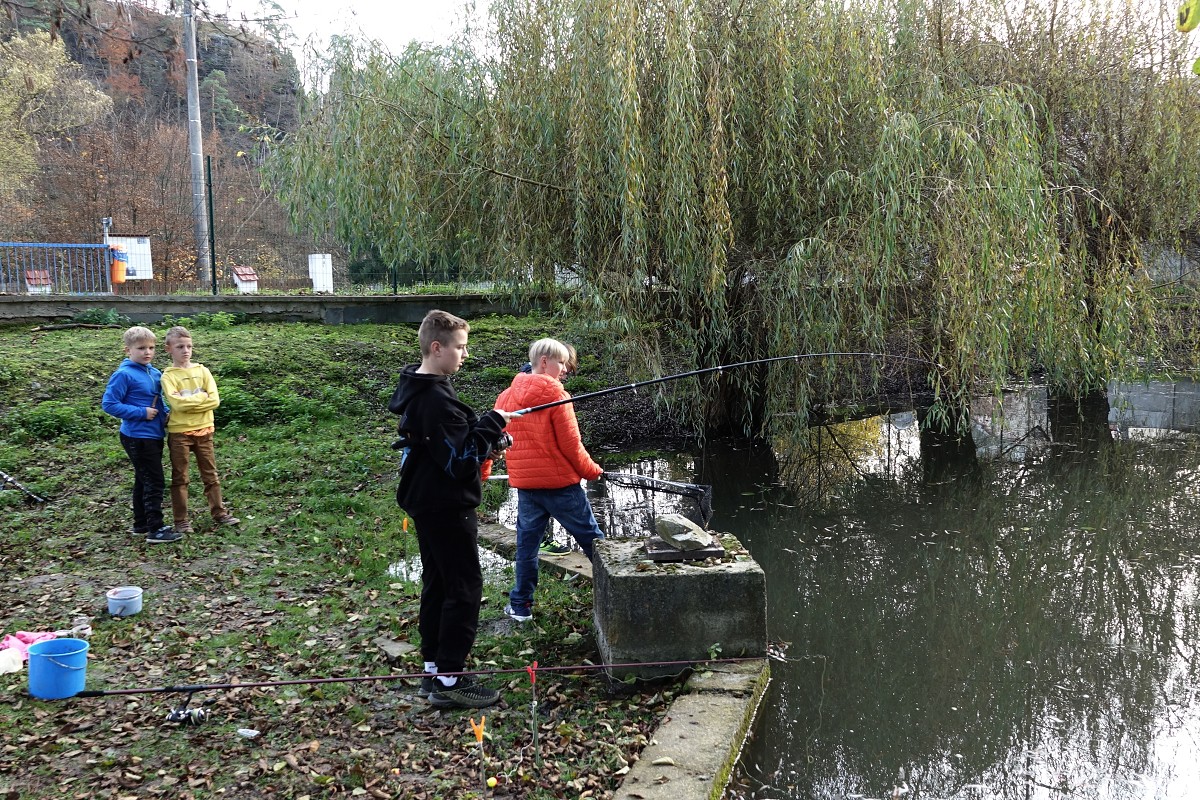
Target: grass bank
x,y
304,588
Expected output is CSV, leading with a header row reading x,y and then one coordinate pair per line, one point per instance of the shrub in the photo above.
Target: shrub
x,y
239,405
51,419
233,367
101,316
219,321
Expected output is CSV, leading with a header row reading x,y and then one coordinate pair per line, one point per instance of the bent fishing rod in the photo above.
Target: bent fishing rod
x,y
638,384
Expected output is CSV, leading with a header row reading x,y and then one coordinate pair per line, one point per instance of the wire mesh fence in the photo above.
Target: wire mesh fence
x,y
147,203
152,205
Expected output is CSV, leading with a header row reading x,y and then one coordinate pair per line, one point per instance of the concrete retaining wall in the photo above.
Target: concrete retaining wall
x,y
695,748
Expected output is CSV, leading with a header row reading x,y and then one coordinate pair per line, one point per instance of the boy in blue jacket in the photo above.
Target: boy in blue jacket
x,y
134,396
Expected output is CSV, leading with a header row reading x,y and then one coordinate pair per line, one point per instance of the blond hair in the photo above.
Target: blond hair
x,y
551,348
178,332
437,327
137,334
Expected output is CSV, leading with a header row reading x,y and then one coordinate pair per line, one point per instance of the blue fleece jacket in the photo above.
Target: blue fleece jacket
x,y
132,389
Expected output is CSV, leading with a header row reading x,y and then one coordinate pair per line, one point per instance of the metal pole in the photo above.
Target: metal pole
x,y
196,144
212,237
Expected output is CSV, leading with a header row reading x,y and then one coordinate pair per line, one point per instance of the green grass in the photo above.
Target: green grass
x,y
300,590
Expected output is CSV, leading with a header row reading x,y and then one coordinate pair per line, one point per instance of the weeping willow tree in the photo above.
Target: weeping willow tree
x,y
713,181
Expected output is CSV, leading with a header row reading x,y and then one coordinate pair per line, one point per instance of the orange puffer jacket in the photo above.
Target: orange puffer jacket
x,y
546,452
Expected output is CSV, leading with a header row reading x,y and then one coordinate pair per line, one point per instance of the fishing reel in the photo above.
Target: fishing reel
x,y
188,716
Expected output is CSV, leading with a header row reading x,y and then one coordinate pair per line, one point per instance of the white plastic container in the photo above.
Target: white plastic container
x,y
124,601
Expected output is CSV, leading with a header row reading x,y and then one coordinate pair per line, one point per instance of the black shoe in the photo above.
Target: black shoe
x,y
164,535
426,686
466,693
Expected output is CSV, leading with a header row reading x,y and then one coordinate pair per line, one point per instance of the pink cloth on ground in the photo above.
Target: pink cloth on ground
x,y
21,640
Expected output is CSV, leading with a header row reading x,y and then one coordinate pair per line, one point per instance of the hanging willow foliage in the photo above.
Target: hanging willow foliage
x,y
714,181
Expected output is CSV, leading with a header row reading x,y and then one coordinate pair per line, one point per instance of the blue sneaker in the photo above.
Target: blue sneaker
x,y
164,535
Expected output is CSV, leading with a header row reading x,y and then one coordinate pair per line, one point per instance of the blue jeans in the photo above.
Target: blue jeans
x,y
535,507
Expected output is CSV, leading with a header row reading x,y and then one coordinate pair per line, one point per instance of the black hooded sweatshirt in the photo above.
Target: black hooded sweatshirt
x,y
444,443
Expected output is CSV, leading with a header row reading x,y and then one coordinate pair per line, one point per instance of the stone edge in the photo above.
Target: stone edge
x,y
503,541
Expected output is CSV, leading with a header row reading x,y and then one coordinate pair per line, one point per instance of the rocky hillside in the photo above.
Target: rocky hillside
x,y
135,54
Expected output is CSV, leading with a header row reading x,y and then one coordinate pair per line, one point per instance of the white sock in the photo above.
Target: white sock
x,y
431,667
447,682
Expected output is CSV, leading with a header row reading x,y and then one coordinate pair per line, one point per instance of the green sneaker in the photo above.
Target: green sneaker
x,y
551,548
465,693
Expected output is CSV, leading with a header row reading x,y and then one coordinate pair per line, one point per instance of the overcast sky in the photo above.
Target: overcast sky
x,y
393,22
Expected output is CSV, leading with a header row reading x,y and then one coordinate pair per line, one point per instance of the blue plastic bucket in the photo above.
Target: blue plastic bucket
x,y
57,668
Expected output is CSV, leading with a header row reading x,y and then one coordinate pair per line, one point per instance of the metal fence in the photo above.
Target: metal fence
x,y
57,227
40,268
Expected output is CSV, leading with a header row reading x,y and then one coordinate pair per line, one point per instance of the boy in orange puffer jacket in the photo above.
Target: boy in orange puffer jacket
x,y
546,464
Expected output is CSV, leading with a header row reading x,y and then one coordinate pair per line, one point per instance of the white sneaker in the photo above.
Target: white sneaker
x,y
512,614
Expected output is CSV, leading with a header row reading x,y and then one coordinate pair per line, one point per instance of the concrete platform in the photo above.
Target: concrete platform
x,y
651,615
700,739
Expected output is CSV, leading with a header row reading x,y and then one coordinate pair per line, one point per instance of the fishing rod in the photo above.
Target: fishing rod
x,y
6,479
193,688
638,384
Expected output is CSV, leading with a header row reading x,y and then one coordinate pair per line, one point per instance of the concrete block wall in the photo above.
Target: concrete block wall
x,y
680,611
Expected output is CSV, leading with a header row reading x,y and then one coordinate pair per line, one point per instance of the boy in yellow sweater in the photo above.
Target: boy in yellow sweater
x,y
191,393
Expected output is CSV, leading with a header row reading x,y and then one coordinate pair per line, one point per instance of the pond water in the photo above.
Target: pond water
x,y
1013,616
1017,617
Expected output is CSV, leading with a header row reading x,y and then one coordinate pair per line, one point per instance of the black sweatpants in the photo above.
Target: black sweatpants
x,y
451,586
146,455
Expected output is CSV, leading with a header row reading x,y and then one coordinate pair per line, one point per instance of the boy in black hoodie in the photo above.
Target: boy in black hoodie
x,y
445,446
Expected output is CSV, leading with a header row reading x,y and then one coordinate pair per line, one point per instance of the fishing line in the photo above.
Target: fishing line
x,y
637,384
190,689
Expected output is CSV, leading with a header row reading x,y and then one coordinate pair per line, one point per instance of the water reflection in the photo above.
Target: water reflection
x,y
1154,409
1014,426
496,569
966,623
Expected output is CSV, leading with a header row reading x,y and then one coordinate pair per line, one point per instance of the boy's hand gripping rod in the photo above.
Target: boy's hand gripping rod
x,y
589,395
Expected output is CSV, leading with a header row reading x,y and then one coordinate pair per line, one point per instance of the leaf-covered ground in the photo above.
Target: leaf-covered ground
x,y
309,585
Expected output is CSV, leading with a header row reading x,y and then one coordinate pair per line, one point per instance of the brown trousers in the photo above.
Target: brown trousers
x,y
181,445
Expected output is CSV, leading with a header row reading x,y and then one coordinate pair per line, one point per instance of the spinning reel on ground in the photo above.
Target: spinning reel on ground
x,y
183,715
